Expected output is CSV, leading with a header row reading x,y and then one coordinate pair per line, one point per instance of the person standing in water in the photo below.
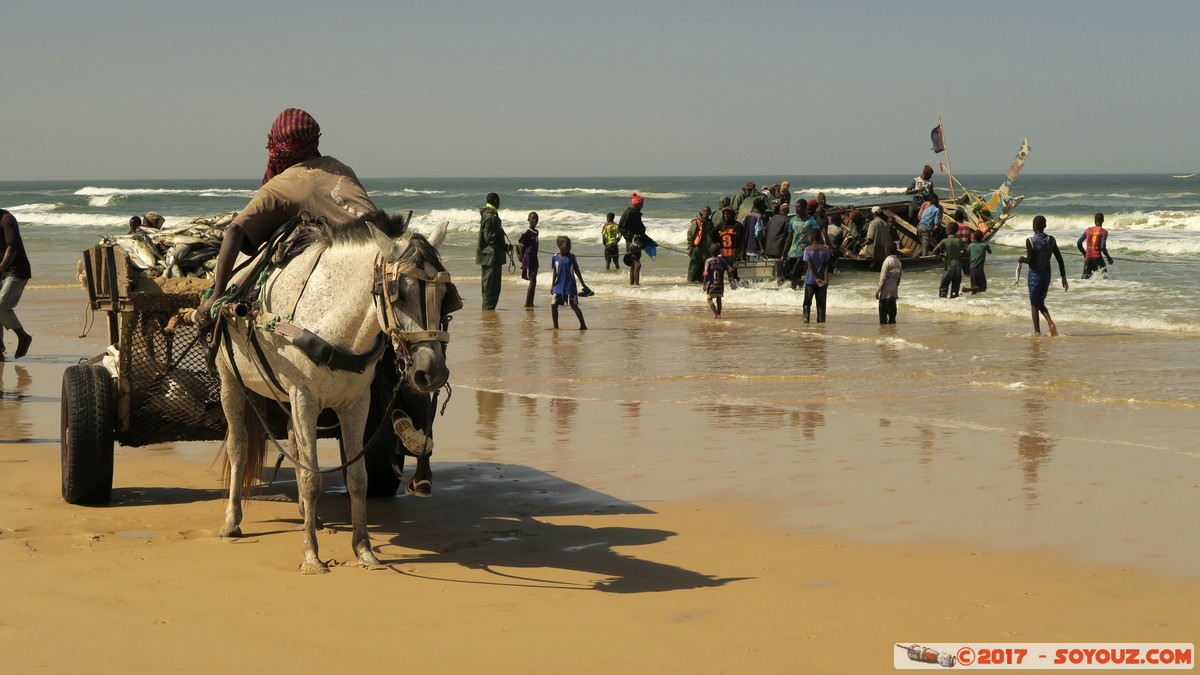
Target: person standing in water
x,y
715,268
490,251
566,268
1096,238
699,236
633,229
611,235
527,249
888,288
1038,250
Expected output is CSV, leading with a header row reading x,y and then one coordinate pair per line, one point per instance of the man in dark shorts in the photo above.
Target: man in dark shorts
x,y
1096,238
1038,250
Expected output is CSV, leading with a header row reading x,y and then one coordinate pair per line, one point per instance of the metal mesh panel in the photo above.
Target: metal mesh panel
x,y
173,397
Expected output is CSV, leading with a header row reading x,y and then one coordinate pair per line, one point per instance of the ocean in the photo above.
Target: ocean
x,y
1154,224
954,416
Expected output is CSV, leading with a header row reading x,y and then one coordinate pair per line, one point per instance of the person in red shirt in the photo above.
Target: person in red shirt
x,y
1096,240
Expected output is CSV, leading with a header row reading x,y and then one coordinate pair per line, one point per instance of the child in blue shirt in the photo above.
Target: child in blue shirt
x,y
565,268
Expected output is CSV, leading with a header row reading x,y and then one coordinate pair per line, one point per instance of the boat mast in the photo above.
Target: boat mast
x,y
946,149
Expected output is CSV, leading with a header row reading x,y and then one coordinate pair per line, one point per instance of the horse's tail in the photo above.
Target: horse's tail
x,y
256,449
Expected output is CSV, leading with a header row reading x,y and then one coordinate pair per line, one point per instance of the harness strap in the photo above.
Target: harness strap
x,y
335,358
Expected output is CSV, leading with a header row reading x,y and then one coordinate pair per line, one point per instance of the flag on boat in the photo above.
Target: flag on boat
x,y
995,201
938,144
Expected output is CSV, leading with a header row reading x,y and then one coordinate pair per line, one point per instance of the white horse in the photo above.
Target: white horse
x,y
352,288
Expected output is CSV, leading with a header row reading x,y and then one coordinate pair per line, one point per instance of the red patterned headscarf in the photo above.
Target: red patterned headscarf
x,y
293,138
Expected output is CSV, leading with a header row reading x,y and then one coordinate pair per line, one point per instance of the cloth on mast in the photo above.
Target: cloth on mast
x,y
997,201
938,144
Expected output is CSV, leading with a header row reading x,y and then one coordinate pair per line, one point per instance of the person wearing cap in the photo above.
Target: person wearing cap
x,y
879,233
298,178
153,220
783,195
633,229
490,250
736,201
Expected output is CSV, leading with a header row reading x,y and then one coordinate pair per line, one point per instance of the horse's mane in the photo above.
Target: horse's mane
x,y
358,232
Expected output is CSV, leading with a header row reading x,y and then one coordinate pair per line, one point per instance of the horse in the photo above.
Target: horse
x,y
354,287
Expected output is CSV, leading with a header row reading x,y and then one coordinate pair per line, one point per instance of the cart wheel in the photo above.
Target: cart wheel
x,y
87,435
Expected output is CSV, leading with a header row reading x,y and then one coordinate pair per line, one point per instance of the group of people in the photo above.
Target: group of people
x,y
492,250
805,245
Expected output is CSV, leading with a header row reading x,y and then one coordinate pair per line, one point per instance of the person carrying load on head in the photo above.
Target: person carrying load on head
x,y
298,178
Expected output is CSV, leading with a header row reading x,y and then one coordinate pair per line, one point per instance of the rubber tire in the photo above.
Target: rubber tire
x,y
87,435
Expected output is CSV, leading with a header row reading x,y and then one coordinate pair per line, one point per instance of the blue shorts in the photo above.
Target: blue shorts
x,y
560,299
1039,286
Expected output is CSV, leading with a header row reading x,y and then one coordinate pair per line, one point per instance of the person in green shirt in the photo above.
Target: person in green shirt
x,y
490,251
951,250
978,250
699,236
610,234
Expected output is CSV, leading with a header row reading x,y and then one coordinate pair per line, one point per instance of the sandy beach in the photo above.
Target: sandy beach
x,y
594,516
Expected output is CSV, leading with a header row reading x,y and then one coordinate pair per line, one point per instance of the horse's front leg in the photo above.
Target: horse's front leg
x,y
353,420
304,430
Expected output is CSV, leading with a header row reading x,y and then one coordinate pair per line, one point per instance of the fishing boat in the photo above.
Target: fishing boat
x,y
1184,176
984,211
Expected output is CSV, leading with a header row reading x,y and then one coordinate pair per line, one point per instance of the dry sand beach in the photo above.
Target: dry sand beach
x,y
618,500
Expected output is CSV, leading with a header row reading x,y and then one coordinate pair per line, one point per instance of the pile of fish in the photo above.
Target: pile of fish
x,y
186,251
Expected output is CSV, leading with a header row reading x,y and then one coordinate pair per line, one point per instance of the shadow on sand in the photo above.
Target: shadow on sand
x,y
485,516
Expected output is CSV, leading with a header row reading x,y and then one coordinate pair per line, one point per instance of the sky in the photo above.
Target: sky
x,y
126,89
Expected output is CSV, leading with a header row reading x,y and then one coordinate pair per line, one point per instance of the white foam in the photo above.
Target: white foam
x,y
408,192
33,208
889,191
74,220
577,191
90,191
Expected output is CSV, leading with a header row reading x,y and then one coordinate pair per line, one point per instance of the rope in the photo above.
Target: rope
x,y
1075,253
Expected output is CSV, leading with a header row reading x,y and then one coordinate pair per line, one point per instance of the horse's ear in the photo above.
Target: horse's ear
x,y
438,236
390,249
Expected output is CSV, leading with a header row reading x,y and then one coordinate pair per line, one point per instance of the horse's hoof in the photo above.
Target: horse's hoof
x,y
419,488
230,534
368,559
314,568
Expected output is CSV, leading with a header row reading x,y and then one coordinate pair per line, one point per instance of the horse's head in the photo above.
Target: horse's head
x,y
415,299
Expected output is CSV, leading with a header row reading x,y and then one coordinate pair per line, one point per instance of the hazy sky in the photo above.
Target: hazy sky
x,y
126,89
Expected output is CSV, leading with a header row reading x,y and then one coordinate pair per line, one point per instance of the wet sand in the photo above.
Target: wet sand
x,y
613,500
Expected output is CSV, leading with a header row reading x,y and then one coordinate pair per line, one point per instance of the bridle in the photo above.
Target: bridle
x,y
435,312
